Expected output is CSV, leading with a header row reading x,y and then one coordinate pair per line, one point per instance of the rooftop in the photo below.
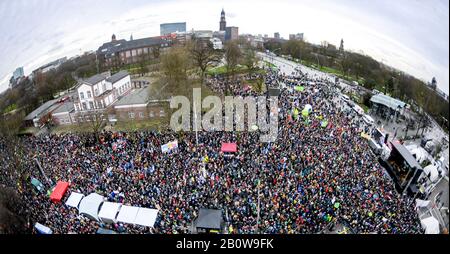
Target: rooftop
x,y
41,109
112,47
138,96
118,76
95,79
387,101
209,218
65,107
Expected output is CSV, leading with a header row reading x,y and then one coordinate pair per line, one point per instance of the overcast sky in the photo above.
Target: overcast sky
x,y
410,35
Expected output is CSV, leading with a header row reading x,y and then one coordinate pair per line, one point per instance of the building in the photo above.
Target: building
x,y
219,35
203,35
50,66
276,35
34,118
18,73
255,41
100,91
231,33
217,43
298,36
181,37
386,106
141,104
62,115
341,46
121,52
223,23
169,28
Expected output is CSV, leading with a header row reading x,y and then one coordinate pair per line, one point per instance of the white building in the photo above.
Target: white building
x,y
217,43
100,91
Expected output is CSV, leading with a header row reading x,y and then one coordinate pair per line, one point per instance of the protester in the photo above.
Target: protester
x,y
311,177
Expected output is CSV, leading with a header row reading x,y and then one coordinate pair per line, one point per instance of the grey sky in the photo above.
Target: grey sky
x,y
410,35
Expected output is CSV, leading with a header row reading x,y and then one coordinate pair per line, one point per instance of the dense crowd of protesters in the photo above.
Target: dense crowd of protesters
x,y
310,178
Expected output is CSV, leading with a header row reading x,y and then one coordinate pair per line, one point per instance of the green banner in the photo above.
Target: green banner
x,y
299,88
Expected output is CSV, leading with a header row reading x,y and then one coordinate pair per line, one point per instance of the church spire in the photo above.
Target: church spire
x,y
223,23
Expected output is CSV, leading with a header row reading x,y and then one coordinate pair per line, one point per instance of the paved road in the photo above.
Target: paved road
x,y
288,67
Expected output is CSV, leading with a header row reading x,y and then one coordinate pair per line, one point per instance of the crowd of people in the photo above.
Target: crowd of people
x,y
311,178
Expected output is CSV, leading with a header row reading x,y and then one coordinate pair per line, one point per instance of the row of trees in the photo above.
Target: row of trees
x,y
369,73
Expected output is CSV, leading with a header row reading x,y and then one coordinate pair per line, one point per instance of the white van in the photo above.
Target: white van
x,y
368,120
345,97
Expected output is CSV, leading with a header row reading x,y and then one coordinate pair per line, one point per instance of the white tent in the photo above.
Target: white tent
x,y
433,171
418,152
127,214
146,217
431,225
90,205
42,229
422,203
109,211
74,199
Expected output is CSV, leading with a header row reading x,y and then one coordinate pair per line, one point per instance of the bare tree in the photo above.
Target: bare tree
x,y
142,64
156,51
95,119
232,57
250,59
46,119
175,63
10,124
203,55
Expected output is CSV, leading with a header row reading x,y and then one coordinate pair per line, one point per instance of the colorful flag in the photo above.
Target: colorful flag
x,y
299,88
169,146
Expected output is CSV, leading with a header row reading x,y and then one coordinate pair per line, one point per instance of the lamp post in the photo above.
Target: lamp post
x,y
195,122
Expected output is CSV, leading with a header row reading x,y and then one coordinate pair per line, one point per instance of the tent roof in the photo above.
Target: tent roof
x,y
42,229
274,92
127,214
106,231
35,182
90,205
109,210
420,152
146,217
229,147
209,218
431,225
433,171
74,199
58,192
387,101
